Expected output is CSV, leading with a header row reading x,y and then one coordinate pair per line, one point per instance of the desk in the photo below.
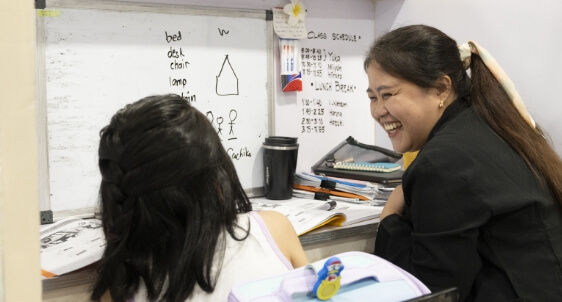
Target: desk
x,y
330,240
318,244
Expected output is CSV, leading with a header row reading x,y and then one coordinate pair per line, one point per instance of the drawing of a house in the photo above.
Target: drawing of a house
x,y
227,81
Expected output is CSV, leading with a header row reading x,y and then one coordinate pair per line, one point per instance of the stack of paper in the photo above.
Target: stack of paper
x,y
339,188
70,244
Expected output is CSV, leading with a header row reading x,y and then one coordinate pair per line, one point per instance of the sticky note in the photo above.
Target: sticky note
x,y
48,13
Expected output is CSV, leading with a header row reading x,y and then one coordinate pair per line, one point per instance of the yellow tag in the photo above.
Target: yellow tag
x,y
409,158
48,13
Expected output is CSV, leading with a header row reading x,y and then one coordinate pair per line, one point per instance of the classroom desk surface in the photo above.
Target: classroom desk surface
x,y
331,240
318,244
327,233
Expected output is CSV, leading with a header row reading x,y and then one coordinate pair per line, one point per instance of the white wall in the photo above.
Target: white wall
x,y
523,36
19,208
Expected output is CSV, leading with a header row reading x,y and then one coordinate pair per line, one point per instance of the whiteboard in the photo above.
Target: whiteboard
x,y
96,60
333,103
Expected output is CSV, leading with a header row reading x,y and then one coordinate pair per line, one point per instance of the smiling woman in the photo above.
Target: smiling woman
x,y
405,110
478,196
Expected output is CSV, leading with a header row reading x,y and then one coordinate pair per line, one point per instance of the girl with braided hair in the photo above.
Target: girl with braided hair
x,y
480,207
178,224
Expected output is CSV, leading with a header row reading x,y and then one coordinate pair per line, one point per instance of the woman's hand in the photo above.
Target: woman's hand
x,y
395,203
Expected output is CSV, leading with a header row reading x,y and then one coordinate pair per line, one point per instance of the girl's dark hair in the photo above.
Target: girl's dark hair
x,y
421,54
168,192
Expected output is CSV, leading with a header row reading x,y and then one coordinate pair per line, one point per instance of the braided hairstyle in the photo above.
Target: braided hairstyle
x,y
421,54
168,192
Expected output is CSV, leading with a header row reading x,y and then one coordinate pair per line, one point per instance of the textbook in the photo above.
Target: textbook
x,y
309,214
70,244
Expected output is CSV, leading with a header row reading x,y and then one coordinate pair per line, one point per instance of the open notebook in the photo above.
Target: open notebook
x,y
309,214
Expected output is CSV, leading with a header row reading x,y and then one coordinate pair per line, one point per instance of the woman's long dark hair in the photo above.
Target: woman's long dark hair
x,y
421,54
168,192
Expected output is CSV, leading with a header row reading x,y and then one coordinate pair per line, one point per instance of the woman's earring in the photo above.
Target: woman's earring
x,y
441,104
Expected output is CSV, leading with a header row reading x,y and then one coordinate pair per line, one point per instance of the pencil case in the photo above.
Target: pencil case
x,y
345,159
357,276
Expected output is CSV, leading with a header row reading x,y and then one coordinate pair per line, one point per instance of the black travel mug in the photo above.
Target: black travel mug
x,y
279,162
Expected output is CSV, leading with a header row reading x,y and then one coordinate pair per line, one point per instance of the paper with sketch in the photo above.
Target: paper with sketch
x,y
306,215
70,244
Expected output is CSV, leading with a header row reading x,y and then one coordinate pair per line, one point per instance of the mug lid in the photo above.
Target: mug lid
x,y
281,141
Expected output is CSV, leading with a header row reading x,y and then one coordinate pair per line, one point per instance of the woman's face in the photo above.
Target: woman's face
x,y
405,111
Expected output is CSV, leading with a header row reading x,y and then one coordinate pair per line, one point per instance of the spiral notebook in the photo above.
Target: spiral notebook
x,y
366,166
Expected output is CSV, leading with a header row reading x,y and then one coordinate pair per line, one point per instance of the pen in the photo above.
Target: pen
x,y
355,201
328,206
285,58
